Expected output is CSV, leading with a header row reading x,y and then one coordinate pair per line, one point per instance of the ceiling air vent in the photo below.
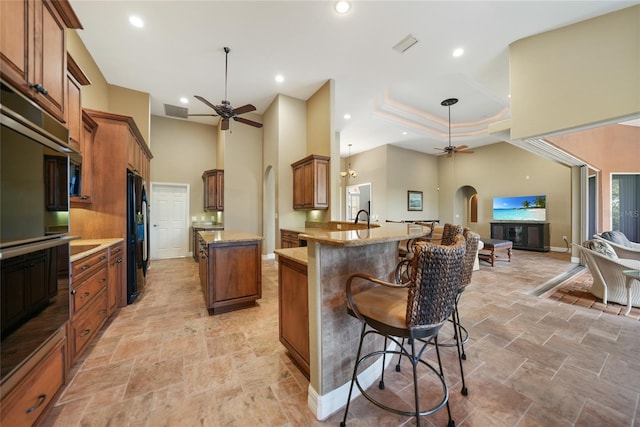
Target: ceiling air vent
x,y
405,43
175,111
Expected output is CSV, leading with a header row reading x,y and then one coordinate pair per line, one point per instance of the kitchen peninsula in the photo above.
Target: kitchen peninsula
x,y
331,256
230,269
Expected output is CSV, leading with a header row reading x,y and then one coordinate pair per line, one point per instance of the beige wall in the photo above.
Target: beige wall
x,y
102,96
576,76
499,170
611,149
243,177
321,140
182,152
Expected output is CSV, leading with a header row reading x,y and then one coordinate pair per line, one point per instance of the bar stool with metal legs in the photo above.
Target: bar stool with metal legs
x,y
415,310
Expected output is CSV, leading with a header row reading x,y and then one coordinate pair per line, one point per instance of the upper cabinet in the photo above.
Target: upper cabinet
x,y
73,102
33,50
213,190
311,183
88,128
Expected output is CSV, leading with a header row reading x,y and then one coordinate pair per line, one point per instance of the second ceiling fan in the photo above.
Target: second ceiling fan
x,y
225,110
450,149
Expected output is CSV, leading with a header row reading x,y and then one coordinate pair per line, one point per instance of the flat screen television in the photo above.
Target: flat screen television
x,y
520,208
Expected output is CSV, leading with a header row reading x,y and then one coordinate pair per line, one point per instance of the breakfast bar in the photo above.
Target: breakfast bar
x,y
332,256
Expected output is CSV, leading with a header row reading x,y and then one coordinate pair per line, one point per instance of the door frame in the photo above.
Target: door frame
x,y
152,193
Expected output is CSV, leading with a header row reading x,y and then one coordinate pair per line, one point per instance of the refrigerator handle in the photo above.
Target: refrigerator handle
x,y
146,245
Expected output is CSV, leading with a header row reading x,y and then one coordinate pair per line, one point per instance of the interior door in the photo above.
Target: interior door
x,y
169,219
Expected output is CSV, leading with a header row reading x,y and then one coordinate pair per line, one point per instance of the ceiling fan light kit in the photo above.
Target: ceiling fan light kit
x,y
450,149
225,110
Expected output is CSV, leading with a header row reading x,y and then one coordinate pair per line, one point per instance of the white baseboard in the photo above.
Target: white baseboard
x,y
269,256
326,405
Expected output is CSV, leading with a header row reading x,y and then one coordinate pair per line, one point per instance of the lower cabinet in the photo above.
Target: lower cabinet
x,y
289,239
89,300
293,295
116,275
27,400
529,236
231,275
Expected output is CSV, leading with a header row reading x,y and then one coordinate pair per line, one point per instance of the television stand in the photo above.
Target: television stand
x,y
531,236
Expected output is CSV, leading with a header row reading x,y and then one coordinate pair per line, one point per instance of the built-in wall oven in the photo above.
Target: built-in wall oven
x,y
34,226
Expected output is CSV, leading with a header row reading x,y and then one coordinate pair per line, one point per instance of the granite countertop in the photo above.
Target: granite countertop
x,y
227,236
295,254
93,246
389,232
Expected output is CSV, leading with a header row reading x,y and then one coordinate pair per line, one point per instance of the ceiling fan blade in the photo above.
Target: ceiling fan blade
x,y
461,147
244,109
464,152
247,122
225,124
202,115
199,98
449,154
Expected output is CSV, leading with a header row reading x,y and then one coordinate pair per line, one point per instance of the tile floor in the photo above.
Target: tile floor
x,y
531,361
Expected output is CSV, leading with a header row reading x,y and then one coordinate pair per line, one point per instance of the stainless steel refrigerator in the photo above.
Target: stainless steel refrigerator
x,y
137,235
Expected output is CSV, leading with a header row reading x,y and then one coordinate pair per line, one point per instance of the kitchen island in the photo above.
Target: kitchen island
x,y
230,269
334,335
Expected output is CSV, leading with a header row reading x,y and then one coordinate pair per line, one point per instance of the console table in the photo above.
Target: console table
x,y
532,236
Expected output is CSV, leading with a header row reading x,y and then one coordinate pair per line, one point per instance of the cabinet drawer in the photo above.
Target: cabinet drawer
x,y
27,401
84,326
85,266
81,295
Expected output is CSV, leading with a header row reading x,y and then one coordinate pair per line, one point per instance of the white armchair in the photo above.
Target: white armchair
x,y
622,246
609,283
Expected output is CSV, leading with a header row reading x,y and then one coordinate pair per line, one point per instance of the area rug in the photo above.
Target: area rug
x,y
576,291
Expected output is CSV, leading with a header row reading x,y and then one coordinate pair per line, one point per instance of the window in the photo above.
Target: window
x,y
625,205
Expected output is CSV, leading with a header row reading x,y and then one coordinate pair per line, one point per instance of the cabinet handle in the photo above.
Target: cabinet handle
x,y
41,399
119,260
84,197
103,257
84,267
102,312
86,294
103,280
73,292
85,333
39,88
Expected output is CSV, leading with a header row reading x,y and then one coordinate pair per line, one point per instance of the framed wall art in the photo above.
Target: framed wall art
x,y
414,200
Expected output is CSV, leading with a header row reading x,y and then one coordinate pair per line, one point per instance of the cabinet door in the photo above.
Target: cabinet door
x,y
308,185
50,64
86,149
73,112
56,184
16,46
220,190
294,310
116,270
298,187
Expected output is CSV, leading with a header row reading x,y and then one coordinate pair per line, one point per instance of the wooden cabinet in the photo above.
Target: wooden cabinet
x,y
87,135
116,275
110,151
311,183
231,274
213,190
25,287
33,50
89,303
289,239
73,102
529,236
293,296
56,183
25,402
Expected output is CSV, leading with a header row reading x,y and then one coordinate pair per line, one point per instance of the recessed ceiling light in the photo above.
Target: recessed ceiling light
x,y
405,132
347,116
458,52
342,7
279,78
136,22
184,100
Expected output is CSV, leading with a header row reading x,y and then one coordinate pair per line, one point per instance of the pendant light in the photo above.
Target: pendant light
x,y
349,173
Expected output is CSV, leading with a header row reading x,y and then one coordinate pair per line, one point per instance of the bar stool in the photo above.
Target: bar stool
x,y
415,310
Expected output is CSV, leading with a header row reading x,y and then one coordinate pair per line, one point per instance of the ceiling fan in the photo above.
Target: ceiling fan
x,y
225,110
450,149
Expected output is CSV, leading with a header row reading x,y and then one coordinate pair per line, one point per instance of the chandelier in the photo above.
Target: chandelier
x,y
349,173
